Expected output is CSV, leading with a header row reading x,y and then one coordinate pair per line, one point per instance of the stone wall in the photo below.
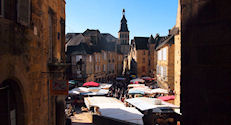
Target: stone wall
x,y
140,64
205,62
169,63
24,58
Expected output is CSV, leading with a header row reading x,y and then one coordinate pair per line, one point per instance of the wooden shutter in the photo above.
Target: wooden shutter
x,y
23,12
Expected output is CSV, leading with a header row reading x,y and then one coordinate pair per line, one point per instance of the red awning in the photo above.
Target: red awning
x,y
93,84
167,98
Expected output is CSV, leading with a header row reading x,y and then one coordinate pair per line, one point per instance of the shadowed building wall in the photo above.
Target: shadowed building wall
x,y
205,61
32,36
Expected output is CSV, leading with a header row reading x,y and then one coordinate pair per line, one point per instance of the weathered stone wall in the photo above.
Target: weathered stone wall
x,y
169,63
23,57
140,64
177,63
205,62
152,58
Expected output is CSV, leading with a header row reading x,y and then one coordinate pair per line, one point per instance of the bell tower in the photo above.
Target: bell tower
x,y
123,34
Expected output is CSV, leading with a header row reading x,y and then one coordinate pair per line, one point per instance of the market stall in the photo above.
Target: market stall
x,y
112,108
155,110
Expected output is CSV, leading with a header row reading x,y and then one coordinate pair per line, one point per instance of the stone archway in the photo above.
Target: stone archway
x,y
12,105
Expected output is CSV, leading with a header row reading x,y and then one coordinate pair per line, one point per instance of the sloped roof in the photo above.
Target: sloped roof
x,y
123,25
141,42
168,39
82,47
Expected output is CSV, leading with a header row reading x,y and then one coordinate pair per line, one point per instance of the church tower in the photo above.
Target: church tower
x,y
123,35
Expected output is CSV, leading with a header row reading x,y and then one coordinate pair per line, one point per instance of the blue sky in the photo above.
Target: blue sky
x,y
145,17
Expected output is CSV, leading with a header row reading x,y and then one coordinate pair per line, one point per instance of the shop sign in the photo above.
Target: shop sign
x,y
59,87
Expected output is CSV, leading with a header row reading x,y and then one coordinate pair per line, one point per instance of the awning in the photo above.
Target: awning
x,y
127,114
157,105
113,108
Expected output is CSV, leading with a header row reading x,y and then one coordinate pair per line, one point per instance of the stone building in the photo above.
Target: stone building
x,y
32,38
106,58
165,60
81,62
141,59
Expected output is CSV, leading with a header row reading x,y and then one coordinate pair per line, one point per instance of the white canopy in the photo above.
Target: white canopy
x,y
127,114
144,103
78,90
113,108
105,86
159,90
145,89
135,85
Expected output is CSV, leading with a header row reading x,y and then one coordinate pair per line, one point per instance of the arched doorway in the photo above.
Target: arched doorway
x,y
11,107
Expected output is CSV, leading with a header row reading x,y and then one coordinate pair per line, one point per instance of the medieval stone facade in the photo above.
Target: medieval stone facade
x,y
141,59
99,56
32,37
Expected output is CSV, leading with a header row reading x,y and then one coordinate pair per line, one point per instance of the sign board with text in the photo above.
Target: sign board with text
x,y
59,87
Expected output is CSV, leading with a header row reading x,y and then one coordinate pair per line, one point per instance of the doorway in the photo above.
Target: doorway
x,y
11,106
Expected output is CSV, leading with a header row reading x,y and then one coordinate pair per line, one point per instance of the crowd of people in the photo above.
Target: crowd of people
x,y
119,88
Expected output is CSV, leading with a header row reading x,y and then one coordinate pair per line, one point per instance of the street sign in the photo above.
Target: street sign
x,y
59,87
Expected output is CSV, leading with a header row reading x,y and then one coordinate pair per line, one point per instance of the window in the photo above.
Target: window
x,y
104,67
144,52
99,58
159,55
164,53
77,58
143,60
165,72
62,32
96,68
51,27
1,8
143,69
90,58
105,56
99,68
23,12
95,58
157,70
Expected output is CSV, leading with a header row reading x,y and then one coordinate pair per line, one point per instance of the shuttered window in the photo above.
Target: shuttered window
x,y
23,12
